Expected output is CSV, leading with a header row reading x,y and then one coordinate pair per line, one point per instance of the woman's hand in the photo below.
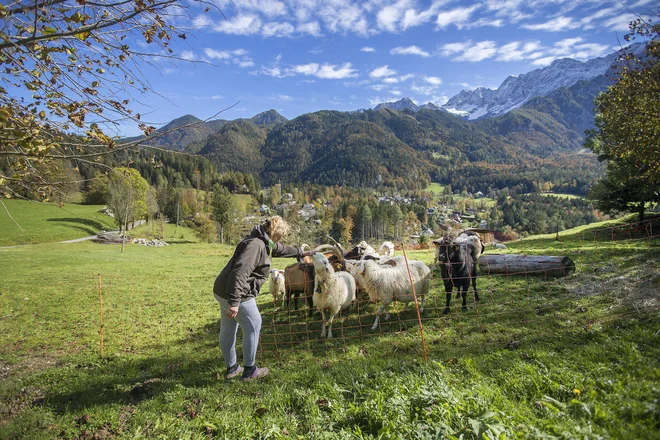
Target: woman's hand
x,y
232,312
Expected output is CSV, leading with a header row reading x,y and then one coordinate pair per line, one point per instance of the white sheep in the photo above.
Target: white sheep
x,y
367,249
387,248
386,284
335,291
473,239
276,285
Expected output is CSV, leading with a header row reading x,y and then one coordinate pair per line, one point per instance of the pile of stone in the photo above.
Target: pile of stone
x,y
154,242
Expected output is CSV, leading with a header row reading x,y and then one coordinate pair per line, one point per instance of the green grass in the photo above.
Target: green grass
x,y
560,358
435,188
243,201
562,196
47,223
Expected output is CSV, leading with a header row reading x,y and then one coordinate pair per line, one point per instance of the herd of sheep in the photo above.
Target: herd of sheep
x,y
331,280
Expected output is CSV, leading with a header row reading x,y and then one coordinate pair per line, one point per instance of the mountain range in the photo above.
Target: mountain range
x,y
531,120
517,90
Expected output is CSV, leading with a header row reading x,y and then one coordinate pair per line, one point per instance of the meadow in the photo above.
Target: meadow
x,y
35,222
574,357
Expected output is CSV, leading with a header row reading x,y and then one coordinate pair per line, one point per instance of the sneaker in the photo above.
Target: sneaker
x,y
258,373
234,373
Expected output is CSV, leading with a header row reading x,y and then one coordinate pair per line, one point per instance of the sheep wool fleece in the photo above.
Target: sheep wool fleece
x,y
249,319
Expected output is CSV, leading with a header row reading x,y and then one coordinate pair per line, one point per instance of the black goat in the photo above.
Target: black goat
x,y
458,268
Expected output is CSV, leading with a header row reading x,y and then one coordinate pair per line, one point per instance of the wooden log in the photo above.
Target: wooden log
x,y
517,264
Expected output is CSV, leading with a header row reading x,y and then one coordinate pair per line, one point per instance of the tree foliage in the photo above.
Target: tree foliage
x,y
70,66
628,128
127,195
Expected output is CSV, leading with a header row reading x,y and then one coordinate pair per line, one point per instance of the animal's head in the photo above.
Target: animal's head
x,y
275,274
321,263
443,249
367,266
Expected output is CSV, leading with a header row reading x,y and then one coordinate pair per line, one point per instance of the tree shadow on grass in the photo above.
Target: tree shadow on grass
x,y
89,226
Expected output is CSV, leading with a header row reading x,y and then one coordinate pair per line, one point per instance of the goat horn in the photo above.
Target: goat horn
x,y
336,243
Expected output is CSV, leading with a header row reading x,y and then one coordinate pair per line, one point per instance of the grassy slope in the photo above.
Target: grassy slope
x,y
534,359
47,223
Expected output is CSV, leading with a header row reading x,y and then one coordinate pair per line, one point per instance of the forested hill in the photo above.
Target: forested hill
x,y
194,130
406,149
337,148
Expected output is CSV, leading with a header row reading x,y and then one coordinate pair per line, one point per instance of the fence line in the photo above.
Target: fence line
x,y
122,312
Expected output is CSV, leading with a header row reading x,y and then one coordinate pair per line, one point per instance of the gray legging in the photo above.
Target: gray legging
x,y
249,319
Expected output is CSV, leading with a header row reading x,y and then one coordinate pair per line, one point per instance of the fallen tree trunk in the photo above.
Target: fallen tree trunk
x,y
512,264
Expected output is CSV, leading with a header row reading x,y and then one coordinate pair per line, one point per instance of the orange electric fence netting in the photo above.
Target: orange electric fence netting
x,y
179,315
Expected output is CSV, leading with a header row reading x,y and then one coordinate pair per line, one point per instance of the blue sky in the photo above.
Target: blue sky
x,y
300,56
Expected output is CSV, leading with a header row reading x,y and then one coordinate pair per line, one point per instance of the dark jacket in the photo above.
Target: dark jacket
x,y
248,268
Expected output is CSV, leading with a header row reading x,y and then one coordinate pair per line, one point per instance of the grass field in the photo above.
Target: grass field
x,y
47,223
576,357
244,202
562,196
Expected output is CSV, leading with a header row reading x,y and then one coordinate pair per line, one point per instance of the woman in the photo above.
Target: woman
x,y
236,289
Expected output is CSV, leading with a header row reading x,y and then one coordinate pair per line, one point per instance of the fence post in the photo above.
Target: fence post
x,y
419,316
101,315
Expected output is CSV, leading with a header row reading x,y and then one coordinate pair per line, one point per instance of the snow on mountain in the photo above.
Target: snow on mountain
x,y
401,104
516,90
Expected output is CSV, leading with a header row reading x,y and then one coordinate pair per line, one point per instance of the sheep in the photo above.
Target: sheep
x,y
276,285
299,277
470,237
387,248
337,291
388,284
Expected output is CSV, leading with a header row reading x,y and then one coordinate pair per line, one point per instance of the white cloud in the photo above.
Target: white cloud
x,y
397,79
216,97
454,48
575,48
325,71
306,69
188,55
270,8
312,28
201,21
410,50
620,22
245,62
275,29
236,56
382,72
217,54
433,80
378,87
328,71
478,52
413,18
368,49
459,17
558,24
423,89
281,97
395,92
517,51
390,16
240,25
